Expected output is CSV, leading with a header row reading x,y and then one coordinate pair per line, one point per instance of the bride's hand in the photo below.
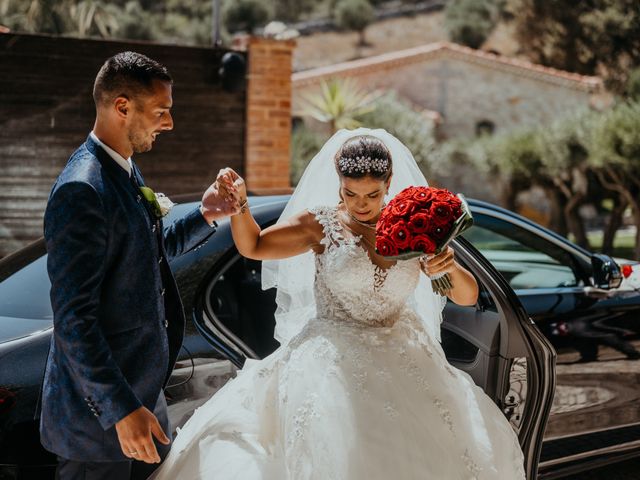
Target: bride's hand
x,y
233,183
444,262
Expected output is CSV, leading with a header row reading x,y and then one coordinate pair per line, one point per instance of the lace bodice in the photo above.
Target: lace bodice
x,y
349,287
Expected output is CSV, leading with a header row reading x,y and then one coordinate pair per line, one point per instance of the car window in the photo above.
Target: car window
x,y
525,259
25,294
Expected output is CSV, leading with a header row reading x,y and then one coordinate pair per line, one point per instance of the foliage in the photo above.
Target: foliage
x,y
588,157
411,127
633,85
245,15
595,37
354,15
291,10
305,144
615,139
339,102
470,22
81,18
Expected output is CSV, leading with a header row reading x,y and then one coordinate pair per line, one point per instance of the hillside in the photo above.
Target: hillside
x,y
327,48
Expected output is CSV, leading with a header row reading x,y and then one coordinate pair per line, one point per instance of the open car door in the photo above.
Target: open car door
x,y
494,341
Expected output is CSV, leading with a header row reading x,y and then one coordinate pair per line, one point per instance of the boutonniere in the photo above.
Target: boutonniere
x,y
159,202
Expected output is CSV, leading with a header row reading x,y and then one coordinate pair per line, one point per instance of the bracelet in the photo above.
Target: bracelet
x,y
243,206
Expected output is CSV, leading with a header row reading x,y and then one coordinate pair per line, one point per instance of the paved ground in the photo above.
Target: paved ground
x,y
629,470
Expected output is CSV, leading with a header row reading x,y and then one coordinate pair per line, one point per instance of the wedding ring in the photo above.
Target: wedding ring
x,y
133,453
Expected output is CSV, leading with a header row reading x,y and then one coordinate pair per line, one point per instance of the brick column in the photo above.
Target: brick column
x,y
268,131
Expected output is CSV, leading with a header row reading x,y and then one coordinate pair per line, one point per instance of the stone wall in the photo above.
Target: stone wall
x,y
466,86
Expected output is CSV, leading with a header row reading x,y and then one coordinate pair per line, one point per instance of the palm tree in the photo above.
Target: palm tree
x,y
61,16
339,103
88,13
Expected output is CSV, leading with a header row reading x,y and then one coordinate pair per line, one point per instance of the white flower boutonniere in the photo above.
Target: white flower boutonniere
x,y
160,203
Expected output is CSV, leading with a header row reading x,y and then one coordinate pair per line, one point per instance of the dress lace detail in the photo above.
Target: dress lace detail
x,y
361,392
350,287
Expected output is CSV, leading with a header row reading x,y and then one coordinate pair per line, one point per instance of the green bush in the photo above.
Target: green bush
x,y
470,22
411,127
354,15
245,15
633,85
304,145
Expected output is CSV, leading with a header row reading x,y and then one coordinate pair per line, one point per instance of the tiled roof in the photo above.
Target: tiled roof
x,y
438,50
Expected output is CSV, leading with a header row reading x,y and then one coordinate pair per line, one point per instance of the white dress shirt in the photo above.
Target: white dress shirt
x,y
120,160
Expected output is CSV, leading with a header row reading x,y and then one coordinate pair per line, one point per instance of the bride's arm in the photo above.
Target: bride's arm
x,y
298,235
294,237
465,287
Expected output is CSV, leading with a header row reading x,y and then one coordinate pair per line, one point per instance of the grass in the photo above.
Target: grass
x,y
623,243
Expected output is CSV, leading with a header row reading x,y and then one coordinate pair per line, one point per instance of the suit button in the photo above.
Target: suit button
x,y
163,291
160,260
139,198
153,228
166,323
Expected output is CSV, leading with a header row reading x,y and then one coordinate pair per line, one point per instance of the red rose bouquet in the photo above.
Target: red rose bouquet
x,y
419,221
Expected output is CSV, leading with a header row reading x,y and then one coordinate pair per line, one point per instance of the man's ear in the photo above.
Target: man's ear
x,y
122,106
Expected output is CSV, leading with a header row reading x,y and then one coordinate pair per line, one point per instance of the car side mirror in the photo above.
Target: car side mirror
x,y
606,272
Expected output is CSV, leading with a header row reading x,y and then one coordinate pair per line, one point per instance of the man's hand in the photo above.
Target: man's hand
x,y
218,202
135,435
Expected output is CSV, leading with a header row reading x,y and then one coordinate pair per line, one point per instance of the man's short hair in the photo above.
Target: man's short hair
x,y
127,74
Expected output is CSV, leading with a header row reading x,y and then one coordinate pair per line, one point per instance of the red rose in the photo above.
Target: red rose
x,y
400,235
386,221
441,213
439,232
627,270
418,222
402,207
422,195
442,194
422,243
385,246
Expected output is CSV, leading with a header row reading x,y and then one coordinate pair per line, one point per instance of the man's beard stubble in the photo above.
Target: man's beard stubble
x,y
139,144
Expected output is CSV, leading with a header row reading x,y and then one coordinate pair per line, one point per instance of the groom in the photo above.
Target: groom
x,y
118,318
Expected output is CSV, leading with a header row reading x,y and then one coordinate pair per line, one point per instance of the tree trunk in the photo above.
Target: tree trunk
x,y
557,222
509,195
362,39
613,224
576,225
636,216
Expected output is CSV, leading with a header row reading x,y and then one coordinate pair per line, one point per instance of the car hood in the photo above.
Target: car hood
x,y
12,328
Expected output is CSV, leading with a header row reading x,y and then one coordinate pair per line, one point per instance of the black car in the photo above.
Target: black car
x,y
495,341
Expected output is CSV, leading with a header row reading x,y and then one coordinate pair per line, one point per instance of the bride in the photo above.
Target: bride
x,y
360,388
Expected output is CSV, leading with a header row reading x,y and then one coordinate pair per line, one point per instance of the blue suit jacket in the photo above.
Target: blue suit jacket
x,y
118,318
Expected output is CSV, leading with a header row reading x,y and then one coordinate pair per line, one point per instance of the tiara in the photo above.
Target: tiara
x,y
363,165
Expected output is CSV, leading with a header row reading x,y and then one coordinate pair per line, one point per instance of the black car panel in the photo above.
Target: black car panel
x,y
595,331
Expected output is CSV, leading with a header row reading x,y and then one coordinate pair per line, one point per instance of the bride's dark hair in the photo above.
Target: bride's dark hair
x,y
364,156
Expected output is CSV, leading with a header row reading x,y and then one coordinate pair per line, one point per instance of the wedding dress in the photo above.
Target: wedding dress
x,y
362,392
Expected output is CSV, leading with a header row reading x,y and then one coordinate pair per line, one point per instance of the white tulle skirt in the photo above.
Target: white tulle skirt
x,y
344,401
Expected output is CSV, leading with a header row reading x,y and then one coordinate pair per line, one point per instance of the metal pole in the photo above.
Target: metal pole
x,y
216,23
